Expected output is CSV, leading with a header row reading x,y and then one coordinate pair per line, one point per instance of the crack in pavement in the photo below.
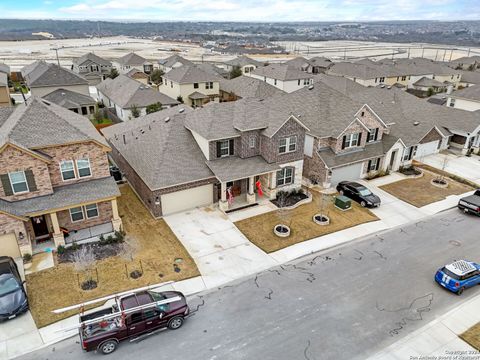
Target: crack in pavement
x,y
403,231
269,296
361,255
198,305
415,309
306,350
380,254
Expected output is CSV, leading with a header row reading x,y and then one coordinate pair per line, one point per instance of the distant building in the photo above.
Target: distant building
x,y
4,90
133,61
92,67
244,87
465,99
76,102
282,77
245,64
172,62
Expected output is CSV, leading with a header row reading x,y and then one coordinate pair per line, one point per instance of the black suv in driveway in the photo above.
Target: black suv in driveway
x,y
358,193
13,298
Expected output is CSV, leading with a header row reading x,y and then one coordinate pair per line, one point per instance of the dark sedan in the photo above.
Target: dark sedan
x,y
358,193
13,299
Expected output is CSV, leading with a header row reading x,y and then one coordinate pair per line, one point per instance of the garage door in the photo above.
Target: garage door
x,y
426,149
187,199
350,172
9,246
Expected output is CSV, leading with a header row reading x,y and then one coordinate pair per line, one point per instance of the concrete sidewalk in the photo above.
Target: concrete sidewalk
x,y
438,338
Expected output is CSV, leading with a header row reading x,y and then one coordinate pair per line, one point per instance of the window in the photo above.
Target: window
x,y
151,313
84,110
285,176
19,182
209,85
298,82
91,211
382,79
171,84
404,78
351,140
195,85
83,167
274,81
372,135
91,109
252,141
135,318
409,153
67,170
452,102
287,145
373,164
76,214
225,148
306,81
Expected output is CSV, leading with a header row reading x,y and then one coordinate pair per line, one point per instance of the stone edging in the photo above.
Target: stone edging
x,y
301,202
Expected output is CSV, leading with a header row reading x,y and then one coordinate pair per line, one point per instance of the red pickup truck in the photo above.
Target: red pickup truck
x,y
132,316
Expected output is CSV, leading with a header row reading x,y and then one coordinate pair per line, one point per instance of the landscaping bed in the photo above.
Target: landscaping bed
x,y
421,192
160,257
472,336
289,199
259,229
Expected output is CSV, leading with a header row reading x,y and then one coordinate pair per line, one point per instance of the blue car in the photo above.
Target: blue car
x,y
458,276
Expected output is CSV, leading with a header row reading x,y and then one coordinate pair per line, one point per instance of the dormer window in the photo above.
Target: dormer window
x,y
83,167
225,148
67,169
287,145
209,85
372,135
351,140
18,181
195,85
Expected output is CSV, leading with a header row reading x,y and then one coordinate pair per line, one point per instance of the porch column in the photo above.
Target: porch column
x,y
116,220
223,204
273,185
251,191
58,237
465,146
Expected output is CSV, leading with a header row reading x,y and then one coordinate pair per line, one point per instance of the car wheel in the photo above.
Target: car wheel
x,y
363,203
175,323
341,192
460,291
108,347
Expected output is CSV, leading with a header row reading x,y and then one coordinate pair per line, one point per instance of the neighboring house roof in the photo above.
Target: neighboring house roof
x,y
470,93
212,69
91,57
189,74
174,59
126,92
69,99
248,87
131,59
41,123
4,68
63,197
3,79
299,63
321,61
471,77
281,72
243,61
196,95
427,82
361,70
41,73
466,60
163,153
135,74
235,168
417,66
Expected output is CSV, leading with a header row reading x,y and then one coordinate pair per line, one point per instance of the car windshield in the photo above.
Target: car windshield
x,y
451,274
364,192
8,284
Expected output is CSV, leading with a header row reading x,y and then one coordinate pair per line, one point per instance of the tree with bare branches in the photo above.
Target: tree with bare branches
x,y
84,261
128,249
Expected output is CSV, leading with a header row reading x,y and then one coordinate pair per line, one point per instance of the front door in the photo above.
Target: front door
x,y
40,227
392,159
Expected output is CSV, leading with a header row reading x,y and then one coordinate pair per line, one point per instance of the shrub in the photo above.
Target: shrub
x,y
75,246
119,236
60,249
374,175
27,257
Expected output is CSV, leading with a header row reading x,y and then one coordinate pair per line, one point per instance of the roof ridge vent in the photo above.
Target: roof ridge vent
x,y
167,119
416,123
181,110
311,87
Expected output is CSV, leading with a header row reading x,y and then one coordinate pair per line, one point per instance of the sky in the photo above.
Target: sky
x,y
242,10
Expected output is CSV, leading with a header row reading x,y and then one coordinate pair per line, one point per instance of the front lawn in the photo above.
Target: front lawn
x,y
160,252
472,336
259,229
420,192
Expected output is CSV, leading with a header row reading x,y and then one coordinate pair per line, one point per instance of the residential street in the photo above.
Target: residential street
x,y
345,303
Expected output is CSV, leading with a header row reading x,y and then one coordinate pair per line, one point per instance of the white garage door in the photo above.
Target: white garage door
x,y
350,172
187,199
9,246
426,149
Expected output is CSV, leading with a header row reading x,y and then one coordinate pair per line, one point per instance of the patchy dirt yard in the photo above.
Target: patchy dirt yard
x,y
472,336
420,192
259,229
158,251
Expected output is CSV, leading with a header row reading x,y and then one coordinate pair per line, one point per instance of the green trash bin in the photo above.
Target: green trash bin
x,y
343,203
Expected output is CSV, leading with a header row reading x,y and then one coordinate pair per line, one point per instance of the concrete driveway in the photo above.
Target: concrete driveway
x,y
222,253
19,336
466,167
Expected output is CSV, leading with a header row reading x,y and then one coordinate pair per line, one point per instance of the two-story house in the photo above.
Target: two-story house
x,y
172,62
42,78
92,67
178,159
282,76
55,185
132,61
190,83
243,62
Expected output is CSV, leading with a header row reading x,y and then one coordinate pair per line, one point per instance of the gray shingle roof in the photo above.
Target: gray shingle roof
x,y
162,153
424,81
136,72
126,92
188,74
242,61
131,59
172,60
91,57
196,95
472,77
64,196
281,72
41,123
321,62
235,168
4,68
69,99
248,87
3,79
471,93
41,74
212,69
299,63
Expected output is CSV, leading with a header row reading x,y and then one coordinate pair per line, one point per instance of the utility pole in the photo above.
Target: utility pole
x,y
444,53
451,54
409,53
468,52
436,55
345,54
423,50
58,60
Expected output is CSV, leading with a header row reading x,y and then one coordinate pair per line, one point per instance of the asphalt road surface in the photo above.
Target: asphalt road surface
x,y
344,303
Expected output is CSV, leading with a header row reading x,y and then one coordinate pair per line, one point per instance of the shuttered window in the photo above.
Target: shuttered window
x,y
18,182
